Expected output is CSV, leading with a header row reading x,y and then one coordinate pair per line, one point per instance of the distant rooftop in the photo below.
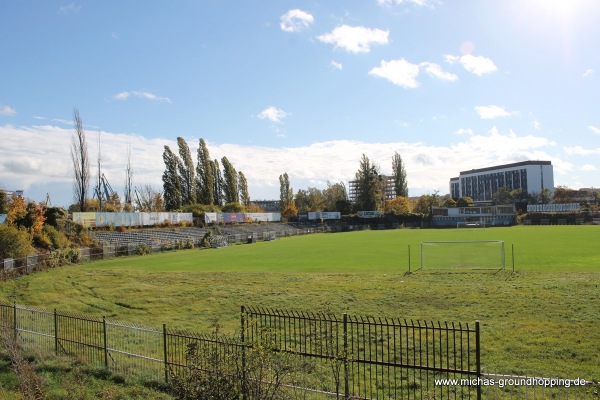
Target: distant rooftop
x,y
513,165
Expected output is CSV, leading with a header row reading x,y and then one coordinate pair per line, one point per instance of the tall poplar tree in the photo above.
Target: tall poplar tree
x,y
230,182
243,186
286,194
368,186
171,180
218,183
186,173
205,176
399,173
81,166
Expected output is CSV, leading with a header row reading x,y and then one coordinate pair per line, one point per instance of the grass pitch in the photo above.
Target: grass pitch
x,y
542,320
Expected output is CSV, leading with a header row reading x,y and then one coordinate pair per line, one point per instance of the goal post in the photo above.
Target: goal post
x,y
475,254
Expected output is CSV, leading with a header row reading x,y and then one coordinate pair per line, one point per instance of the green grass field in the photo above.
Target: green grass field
x,y
542,320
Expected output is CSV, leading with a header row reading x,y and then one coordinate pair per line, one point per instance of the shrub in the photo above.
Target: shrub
x,y
58,240
14,243
144,249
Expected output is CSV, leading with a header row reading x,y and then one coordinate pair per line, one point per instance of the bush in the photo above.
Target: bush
x,y
144,249
14,243
58,240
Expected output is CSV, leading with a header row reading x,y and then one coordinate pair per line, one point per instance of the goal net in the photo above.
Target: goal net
x,y
478,254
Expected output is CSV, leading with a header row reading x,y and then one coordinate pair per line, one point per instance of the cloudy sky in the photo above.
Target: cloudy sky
x,y
303,87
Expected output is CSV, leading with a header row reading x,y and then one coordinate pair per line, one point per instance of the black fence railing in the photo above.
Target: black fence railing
x,y
373,358
321,355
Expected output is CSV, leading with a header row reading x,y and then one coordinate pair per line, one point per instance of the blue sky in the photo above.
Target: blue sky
x,y
303,87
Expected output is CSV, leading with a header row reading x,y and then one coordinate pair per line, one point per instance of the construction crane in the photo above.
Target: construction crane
x,y
103,191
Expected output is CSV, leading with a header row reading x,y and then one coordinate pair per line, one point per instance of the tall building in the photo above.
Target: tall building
x,y
389,192
481,184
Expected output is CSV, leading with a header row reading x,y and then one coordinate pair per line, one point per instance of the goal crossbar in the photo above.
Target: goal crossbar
x,y
470,254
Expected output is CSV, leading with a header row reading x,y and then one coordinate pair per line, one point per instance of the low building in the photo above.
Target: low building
x,y
478,215
268,205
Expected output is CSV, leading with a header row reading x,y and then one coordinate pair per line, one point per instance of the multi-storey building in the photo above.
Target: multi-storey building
x,y
389,192
481,184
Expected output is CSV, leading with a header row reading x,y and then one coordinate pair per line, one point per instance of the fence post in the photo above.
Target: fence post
x,y
15,320
478,358
346,375
165,353
55,332
243,320
105,344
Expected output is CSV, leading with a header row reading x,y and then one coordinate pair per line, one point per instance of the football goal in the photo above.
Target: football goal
x,y
477,254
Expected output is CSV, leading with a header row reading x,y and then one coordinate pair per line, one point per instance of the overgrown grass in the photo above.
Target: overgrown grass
x,y
542,320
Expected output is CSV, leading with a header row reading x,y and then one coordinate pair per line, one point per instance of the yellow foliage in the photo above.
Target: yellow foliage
x,y
398,206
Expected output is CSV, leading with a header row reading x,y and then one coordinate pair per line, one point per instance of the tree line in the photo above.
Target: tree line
x,y
370,192
207,184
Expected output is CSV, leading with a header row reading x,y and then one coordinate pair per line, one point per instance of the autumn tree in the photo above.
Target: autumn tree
x,y
301,201
187,173
502,196
81,168
230,182
465,201
399,174
218,183
171,180
14,242
397,206
3,202
563,194
449,203
149,199
425,203
286,194
127,206
17,210
205,176
243,186
334,195
368,185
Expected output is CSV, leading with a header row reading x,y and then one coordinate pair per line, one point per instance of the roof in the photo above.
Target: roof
x,y
506,166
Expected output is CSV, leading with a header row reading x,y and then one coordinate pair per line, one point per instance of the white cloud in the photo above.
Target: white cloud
x,y
594,129
536,124
273,114
399,72
588,72
70,8
477,65
6,110
388,3
355,39
295,20
435,71
143,95
463,131
404,73
491,112
336,65
37,160
588,168
580,151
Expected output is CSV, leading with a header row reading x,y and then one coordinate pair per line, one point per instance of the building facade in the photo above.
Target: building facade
x,y
389,191
443,217
482,184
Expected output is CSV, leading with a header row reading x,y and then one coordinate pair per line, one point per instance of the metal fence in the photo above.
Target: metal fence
x,y
325,356
375,358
